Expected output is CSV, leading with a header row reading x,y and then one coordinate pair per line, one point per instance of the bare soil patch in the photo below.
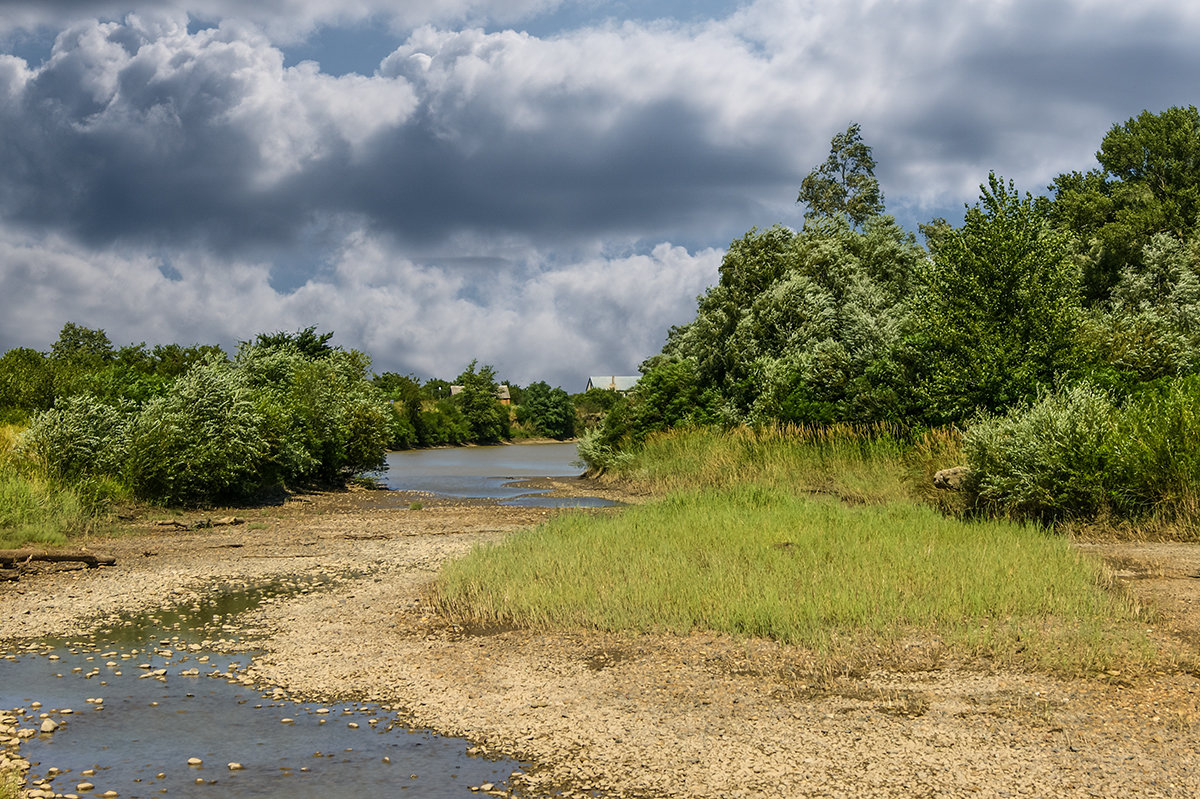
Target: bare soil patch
x,y
639,716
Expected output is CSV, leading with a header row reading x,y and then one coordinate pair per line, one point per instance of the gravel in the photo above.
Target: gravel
x,y
630,716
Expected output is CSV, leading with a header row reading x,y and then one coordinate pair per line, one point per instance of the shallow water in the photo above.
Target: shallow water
x,y
488,473
165,698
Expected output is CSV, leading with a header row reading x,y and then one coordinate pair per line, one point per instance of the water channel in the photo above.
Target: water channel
x,y
496,473
136,702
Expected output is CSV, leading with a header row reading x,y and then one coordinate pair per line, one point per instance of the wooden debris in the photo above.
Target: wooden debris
x,y
12,558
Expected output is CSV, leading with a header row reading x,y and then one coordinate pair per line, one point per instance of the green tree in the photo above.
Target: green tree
x,y
669,394
802,327
436,389
307,342
82,345
995,309
77,358
408,424
26,384
549,411
845,184
486,417
1148,183
200,443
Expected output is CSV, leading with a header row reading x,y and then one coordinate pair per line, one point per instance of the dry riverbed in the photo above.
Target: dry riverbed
x,y
639,716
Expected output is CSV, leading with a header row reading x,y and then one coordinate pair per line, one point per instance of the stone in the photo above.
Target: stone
x,y
951,479
236,767
49,725
195,761
84,786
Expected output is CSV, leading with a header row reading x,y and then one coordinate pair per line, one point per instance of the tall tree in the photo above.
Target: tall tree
x,y
1148,183
82,346
845,184
995,308
547,410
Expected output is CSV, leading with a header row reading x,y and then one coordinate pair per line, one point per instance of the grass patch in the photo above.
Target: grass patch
x,y
11,785
754,561
813,538
35,510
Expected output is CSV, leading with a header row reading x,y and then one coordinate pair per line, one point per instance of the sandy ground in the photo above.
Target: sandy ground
x,y
639,716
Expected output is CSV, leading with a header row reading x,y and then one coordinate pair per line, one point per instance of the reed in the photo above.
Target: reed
x,y
858,463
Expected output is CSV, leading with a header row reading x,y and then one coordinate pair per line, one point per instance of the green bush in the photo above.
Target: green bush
x,y
1047,461
200,443
1077,454
1155,453
80,436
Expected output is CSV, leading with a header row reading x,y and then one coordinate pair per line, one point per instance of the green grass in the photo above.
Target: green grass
x,y
757,540
35,510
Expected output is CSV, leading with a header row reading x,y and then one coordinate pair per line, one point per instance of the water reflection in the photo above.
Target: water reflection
x,y
489,473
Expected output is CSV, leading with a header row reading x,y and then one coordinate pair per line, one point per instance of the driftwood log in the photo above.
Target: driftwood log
x,y
11,558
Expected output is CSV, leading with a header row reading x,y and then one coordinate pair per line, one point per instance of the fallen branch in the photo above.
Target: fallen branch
x,y
17,557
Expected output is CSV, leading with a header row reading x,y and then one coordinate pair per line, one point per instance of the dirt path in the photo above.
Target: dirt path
x,y
643,716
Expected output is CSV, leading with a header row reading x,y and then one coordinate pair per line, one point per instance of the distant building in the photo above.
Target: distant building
x,y
620,384
502,393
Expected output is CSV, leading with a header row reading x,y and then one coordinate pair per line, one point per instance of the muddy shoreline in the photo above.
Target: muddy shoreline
x,y
635,716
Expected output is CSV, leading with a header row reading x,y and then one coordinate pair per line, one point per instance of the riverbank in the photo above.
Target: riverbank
x,y
693,716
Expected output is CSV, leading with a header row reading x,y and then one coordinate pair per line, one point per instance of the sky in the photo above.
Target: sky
x,y
545,186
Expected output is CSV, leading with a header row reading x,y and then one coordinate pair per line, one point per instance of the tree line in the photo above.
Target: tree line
x,y
195,425
1091,290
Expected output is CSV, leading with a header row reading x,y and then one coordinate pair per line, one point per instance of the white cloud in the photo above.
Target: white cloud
x,y
466,201
605,313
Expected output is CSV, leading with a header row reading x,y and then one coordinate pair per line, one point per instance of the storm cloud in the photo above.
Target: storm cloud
x,y
547,203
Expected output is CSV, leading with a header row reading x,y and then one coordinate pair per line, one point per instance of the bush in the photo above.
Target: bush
x,y
200,443
80,436
600,454
1076,454
1047,461
1155,458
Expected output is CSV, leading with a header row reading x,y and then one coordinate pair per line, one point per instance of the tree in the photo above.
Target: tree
x,y
487,418
26,383
802,326
549,411
995,310
81,345
307,342
1148,183
845,184
668,395
408,424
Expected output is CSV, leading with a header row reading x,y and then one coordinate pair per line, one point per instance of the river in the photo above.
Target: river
x,y
136,702
497,472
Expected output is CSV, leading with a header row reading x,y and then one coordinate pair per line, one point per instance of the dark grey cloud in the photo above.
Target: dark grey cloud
x,y
533,201
156,135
